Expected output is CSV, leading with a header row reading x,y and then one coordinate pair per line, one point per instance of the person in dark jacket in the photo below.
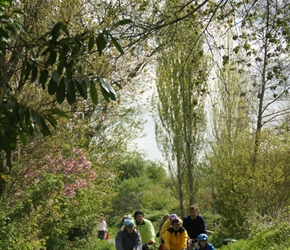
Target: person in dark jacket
x,y
128,238
194,224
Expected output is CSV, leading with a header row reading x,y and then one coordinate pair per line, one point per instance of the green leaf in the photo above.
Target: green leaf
x,y
43,77
51,120
39,120
43,127
71,94
64,28
93,93
105,94
52,57
60,93
82,89
86,81
52,86
55,76
101,43
124,22
28,125
117,45
61,64
91,43
55,31
59,112
10,104
22,138
110,92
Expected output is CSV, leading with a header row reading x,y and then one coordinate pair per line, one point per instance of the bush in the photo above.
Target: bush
x,y
276,236
93,243
271,237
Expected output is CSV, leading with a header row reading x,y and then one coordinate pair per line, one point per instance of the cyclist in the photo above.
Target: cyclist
x,y
128,238
145,228
194,225
176,236
122,222
203,244
167,224
165,218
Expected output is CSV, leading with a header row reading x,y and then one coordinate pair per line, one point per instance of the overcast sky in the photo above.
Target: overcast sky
x,y
148,144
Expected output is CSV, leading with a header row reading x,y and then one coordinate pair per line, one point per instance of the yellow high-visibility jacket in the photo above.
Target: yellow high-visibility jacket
x,y
175,240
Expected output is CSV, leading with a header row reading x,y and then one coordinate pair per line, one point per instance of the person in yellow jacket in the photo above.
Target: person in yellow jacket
x,y
175,237
167,225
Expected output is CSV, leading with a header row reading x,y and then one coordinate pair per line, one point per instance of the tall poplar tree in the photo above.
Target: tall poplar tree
x,y
181,86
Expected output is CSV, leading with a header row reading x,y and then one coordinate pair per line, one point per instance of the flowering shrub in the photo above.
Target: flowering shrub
x,y
49,200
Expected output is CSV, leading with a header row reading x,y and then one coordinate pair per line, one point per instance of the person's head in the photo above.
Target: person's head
x,y
128,225
139,216
202,239
172,216
193,211
166,217
124,217
175,222
102,217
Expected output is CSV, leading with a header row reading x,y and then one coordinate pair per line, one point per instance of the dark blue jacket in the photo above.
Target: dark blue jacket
x,y
208,246
194,227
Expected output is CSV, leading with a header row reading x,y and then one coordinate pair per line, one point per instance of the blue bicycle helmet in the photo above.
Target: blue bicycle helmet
x,y
172,216
128,223
202,237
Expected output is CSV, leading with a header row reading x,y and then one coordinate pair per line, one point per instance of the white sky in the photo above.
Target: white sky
x,y
148,144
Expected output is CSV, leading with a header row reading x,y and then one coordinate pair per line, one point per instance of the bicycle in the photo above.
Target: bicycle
x,y
192,242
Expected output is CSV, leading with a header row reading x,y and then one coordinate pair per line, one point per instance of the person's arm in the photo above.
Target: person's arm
x,y
184,239
184,223
203,226
138,242
151,232
118,241
164,227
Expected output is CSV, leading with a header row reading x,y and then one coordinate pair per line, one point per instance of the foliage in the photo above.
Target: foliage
x,y
56,61
140,185
53,200
92,243
233,189
181,86
275,236
67,52
249,104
